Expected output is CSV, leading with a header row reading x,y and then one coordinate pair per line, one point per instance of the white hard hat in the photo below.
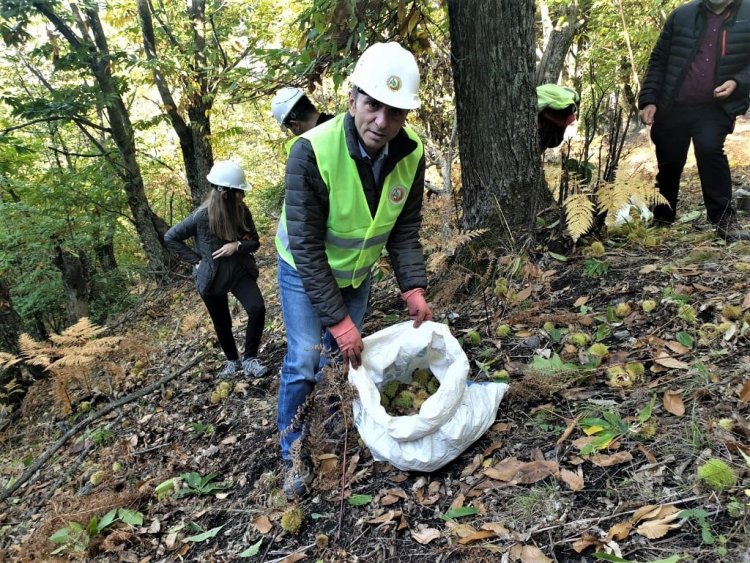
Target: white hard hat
x,y
388,73
283,102
228,174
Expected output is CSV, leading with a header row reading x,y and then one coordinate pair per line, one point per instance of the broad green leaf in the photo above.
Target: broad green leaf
x,y
685,339
132,517
359,500
107,520
460,512
193,479
645,413
252,550
205,535
612,558
60,536
558,257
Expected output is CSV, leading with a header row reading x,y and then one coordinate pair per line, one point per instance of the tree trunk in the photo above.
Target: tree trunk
x,y
197,153
10,330
150,227
492,44
556,49
76,277
105,250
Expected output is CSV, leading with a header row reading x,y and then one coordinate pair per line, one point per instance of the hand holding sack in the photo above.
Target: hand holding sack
x,y
349,340
419,310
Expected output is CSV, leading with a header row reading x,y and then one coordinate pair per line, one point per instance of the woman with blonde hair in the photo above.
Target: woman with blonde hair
x,y
225,238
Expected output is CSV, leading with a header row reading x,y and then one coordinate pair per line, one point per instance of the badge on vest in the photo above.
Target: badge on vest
x,y
396,195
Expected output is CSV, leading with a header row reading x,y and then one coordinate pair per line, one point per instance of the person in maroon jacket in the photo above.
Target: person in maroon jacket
x,y
697,83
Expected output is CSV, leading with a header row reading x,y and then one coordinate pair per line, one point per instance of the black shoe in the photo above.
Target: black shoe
x,y
730,230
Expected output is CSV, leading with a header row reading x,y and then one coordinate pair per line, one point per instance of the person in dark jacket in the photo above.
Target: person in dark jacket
x,y
295,112
697,83
354,186
225,239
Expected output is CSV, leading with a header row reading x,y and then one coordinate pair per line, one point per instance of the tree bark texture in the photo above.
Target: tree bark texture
x,y
556,48
76,277
492,46
197,153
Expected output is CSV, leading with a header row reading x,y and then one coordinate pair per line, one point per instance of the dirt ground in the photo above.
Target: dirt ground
x,y
544,483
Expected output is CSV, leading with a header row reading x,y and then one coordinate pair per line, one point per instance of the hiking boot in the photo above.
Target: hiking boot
x,y
296,480
730,230
253,368
230,367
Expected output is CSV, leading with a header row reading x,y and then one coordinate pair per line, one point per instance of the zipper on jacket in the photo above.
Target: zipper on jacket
x,y
724,43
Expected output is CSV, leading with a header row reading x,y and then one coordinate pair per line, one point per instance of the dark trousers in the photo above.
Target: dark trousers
x,y
246,291
707,127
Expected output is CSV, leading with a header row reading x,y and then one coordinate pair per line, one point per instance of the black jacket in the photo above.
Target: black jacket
x,y
307,207
676,48
224,270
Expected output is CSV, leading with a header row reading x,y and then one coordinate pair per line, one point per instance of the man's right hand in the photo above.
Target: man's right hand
x,y
349,340
647,114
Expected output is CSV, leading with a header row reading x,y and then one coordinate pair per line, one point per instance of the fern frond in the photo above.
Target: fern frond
x,y
100,346
8,360
579,214
84,329
611,197
72,360
649,194
29,346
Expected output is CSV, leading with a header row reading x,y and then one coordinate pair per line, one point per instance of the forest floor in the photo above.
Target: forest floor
x,y
581,459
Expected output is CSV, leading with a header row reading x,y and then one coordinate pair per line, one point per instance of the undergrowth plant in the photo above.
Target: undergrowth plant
x,y
76,359
75,538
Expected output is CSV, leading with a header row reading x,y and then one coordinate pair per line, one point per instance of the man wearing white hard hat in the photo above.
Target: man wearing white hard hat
x,y
354,186
295,112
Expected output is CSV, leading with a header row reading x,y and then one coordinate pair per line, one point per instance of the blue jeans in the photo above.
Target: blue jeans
x,y
306,337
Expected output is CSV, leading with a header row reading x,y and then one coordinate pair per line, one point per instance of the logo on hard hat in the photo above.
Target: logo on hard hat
x,y
397,194
393,83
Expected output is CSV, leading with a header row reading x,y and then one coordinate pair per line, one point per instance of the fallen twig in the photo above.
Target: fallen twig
x,y
41,460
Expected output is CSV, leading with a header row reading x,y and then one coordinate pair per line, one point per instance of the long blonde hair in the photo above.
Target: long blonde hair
x,y
226,213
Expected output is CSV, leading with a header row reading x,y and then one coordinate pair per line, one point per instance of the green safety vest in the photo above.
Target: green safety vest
x,y
354,240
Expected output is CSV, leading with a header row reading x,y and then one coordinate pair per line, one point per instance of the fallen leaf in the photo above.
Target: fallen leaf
x,y
582,300
475,464
500,427
491,448
328,463
528,554
669,362
498,529
568,430
573,480
387,517
651,458
648,268
746,302
673,403
620,531
511,469
677,348
523,295
604,460
583,441
458,502
586,542
476,536
658,528
293,557
229,440
425,536
745,392
460,530
263,524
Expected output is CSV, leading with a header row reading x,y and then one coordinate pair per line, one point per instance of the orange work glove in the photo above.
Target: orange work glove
x,y
419,310
349,340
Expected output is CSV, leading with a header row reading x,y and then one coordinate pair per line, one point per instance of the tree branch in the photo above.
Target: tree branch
x,y
34,467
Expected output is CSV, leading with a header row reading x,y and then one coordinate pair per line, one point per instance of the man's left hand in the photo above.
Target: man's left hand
x,y
725,90
419,310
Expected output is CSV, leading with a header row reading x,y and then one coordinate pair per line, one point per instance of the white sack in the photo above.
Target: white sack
x,y
447,423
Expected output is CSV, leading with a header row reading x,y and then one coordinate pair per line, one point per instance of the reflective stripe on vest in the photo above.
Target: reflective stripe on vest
x,y
354,240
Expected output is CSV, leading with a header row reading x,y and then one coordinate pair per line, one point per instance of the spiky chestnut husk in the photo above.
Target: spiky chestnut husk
x,y
596,249
648,305
731,312
717,474
391,388
291,520
579,339
473,337
622,310
502,331
687,313
421,377
599,350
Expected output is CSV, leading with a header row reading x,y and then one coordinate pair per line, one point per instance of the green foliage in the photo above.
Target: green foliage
x,y
606,429
196,485
454,513
593,267
359,500
203,536
75,538
700,516
551,366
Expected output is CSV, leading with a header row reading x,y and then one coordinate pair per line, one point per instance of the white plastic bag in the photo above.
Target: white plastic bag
x,y
447,423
